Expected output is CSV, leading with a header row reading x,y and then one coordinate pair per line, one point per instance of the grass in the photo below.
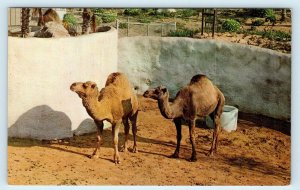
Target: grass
x,y
275,35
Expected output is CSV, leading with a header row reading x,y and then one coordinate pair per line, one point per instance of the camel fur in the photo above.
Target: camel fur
x,y
200,98
116,103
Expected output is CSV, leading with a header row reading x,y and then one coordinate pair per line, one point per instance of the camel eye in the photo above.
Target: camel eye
x,y
84,85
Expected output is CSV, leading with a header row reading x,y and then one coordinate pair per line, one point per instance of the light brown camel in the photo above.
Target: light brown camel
x,y
198,99
115,103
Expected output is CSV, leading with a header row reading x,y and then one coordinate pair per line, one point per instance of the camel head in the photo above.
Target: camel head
x,y
156,93
87,89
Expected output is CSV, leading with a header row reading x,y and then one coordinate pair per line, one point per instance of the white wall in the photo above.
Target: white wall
x,y
40,72
256,80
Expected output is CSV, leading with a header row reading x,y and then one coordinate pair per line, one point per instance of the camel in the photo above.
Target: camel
x,y
115,103
198,99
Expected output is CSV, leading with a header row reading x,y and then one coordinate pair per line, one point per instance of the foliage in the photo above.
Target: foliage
x,y
258,22
183,33
105,15
100,11
184,13
277,35
132,12
123,25
256,12
144,20
270,16
150,12
269,34
70,20
231,25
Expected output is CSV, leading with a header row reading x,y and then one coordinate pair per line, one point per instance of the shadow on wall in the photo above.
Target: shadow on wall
x,y
42,122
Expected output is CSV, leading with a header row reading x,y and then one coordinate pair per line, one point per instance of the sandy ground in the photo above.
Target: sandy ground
x,y
255,154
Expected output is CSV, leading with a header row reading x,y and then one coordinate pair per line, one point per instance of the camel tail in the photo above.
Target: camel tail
x,y
221,103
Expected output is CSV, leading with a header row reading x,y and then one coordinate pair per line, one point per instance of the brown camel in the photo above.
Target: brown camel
x,y
198,99
115,103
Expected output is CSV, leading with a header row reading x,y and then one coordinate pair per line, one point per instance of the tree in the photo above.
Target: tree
x,y
86,16
25,16
283,15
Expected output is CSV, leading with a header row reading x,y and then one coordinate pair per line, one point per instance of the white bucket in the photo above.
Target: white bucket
x,y
228,119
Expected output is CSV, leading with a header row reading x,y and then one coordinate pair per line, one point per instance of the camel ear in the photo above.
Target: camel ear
x,y
164,89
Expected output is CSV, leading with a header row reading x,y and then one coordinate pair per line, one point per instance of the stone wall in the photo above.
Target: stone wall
x,y
40,72
256,80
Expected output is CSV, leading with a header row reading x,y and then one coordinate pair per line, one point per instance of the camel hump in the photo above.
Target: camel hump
x,y
198,78
117,79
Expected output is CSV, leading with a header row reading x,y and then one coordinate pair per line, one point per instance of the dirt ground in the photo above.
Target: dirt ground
x,y
255,154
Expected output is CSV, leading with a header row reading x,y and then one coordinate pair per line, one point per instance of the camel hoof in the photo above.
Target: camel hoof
x,y
175,155
210,154
193,159
93,156
117,159
123,149
134,150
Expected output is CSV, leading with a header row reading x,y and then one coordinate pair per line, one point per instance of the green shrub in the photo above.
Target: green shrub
x,y
184,13
270,16
258,22
277,35
182,33
108,17
231,25
144,20
132,12
100,11
256,12
123,25
70,20
270,34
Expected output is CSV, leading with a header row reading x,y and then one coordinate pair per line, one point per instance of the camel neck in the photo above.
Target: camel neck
x,y
96,109
165,108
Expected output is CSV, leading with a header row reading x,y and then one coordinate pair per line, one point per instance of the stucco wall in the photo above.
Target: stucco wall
x,y
40,72
256,80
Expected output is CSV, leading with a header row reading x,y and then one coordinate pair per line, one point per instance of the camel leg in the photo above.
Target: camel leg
x,y
192,139
126,131
217,121
133,120
177,122
95,154
115,135
214,145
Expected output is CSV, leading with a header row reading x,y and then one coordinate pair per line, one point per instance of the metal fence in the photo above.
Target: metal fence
x,y
127,28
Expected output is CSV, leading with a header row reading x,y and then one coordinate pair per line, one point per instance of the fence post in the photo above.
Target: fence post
x,y
127,26
175,26
117,24
148,29
161,27
214,23
202,22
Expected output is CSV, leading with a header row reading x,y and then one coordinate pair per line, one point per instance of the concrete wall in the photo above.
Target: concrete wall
x,y
256,80
40,72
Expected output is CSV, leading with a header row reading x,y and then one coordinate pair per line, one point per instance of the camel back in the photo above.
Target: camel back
x,y
118,79
198,78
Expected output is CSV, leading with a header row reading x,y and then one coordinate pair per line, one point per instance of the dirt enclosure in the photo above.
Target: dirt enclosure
x,y
258,153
